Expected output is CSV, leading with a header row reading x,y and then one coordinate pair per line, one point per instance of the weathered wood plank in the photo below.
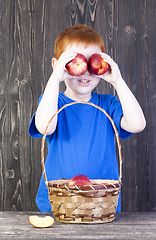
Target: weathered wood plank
x,y
125,54
28,30
134,54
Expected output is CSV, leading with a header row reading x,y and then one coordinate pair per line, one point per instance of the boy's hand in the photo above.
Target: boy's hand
x,y
113,75
59,71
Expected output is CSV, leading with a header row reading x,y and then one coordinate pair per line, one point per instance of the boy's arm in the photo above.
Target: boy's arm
x,y
49,102
133,119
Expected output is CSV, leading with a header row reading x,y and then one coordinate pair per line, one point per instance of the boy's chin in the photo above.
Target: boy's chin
x,y
78,95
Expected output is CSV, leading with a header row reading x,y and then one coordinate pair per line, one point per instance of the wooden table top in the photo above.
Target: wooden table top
x,y
15,225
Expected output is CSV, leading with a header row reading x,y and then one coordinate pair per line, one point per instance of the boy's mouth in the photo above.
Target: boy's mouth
x,y
83,81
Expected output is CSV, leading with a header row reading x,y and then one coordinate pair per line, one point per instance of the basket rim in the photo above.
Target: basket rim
x,y
97,184
113,125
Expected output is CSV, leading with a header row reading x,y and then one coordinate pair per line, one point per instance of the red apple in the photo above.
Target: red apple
x,y
80,180
97,65
78,66
82,183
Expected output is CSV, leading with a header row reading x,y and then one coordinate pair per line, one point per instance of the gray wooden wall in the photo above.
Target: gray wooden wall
x,y
28,29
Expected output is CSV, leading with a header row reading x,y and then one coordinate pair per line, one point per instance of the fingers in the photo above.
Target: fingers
x,y
59,65
65,58
108,59
113,74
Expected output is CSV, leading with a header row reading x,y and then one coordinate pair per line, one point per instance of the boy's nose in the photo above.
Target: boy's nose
x,y
87,72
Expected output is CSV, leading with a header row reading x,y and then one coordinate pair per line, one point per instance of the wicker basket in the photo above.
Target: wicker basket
x,y
95,203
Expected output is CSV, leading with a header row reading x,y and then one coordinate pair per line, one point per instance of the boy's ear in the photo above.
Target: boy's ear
x,y
53,62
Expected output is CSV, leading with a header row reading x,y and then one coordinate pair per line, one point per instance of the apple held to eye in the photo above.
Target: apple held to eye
x,y
80,180
78,66
97,65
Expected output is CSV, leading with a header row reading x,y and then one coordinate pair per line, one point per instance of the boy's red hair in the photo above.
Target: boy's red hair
x,y
77,34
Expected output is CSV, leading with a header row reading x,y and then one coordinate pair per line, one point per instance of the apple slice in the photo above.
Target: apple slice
x,y
41,222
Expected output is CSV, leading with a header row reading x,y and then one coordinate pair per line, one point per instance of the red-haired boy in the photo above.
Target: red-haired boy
x,y
81,139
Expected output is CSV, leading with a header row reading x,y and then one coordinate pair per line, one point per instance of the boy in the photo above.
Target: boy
x,y
80,138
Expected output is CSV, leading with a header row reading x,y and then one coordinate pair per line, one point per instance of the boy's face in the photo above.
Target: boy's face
x,y
80,87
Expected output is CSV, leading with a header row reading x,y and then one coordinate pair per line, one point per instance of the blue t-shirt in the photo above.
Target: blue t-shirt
x,y
83,143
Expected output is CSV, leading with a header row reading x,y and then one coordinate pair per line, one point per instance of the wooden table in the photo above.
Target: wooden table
x,y
15,225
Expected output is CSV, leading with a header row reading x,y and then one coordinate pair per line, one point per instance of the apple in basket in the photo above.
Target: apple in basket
x,y
97,65
80,180
78,66
104,183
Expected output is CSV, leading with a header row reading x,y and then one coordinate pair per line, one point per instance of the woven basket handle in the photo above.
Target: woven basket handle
x,y
102,110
